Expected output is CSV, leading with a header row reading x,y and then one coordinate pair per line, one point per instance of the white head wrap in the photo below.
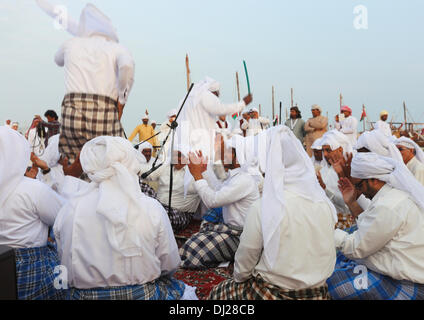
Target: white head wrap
x,y
411,144
111,164
368,165
254,110
14,158
317,145
288,168
377,142
145,145
335,139
153,121
172,113
51,155
315,106
92,21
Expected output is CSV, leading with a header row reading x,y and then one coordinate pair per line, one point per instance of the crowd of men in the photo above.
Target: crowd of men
x,y
268,197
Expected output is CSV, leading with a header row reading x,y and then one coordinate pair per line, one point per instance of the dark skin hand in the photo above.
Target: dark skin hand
x,y
120,110
321,182
340,165
74,170
350,194
197,165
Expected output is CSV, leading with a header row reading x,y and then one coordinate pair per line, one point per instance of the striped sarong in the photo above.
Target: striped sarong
x,y
256,288
179,219
147,190
35,274
161,289
84,117
342,285
212,245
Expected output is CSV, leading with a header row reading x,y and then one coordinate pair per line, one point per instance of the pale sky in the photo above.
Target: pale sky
x,y
309,45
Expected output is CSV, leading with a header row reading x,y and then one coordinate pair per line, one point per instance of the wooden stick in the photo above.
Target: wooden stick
x,y
188,73
238,86
281,106
260,110
273,110
404,115
291,98
341,101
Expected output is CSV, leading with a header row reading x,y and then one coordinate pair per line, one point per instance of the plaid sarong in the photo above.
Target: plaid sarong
x,y
341,284
212,245
257,289
160,289
35,274
84,117
179,219
147,190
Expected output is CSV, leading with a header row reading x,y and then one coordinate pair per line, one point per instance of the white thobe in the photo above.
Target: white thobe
x,y
238,129
384,128
235,195
331,180
306,256
417,169
225,128
390,237
256,126
27,214
188,203
97,66
85,250
349,126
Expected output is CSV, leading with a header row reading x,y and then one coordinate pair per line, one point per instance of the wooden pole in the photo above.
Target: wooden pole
x,y
281,105
238,86
273,110
188,72
363,110
287,114
260,110
291,98
404,115
341,101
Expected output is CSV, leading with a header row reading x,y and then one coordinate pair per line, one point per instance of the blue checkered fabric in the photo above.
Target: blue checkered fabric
x,y
35,274
341,284
214,216
164,288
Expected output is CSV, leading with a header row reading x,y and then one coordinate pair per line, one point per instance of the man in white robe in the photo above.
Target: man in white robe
x,y
28,208
223,126
413,157
286,248
115,242
388,244
349,125
257,124
382,125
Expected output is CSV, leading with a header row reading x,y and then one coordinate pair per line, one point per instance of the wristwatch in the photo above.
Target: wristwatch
x,y
46,171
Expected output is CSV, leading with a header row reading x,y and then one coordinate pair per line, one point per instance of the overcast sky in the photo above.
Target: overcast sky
x,y
312,46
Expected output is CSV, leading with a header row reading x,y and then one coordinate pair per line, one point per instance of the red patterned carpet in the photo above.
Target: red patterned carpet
x,y
184,235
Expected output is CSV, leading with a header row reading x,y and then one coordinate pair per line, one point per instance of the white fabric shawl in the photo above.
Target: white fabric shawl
x,y
378,143
368,165
112,166
335,139
92,21
288,168
14,158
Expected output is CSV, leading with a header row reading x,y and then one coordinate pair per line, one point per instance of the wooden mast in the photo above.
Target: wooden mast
x,y
291,97
188,72
238,86
273,110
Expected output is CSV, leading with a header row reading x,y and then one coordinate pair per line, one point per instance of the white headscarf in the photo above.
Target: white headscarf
x,y
92,21
145,145
112,166
172,113
368,165
378,143
411,144
335,139
288,168
51,155
14,157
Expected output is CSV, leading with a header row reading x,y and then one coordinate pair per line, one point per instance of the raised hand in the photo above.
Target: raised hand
x,y
348,190
321,182
197,165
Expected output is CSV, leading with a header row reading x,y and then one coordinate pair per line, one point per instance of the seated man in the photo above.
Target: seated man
x,y
147,163
317,158
412,156
377,142
27,209
286,249
217,242
334,145
389,241
115,242
184,200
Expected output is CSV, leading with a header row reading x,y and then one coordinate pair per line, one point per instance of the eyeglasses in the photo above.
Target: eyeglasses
x,y
358,185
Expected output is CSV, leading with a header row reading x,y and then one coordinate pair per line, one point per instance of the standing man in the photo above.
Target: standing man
x,y
315,127
223,126
256,123
144,131
382,125
8,122
99,74
52,124
242,124
349,126
296,123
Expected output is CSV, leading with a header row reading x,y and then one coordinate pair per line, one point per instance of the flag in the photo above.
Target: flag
x,y
275,120
234,116
364,114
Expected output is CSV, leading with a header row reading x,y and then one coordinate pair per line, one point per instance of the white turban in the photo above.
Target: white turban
x,y
172,113
377,142
111,164
145,145
315,106
288,168
317,145
14,158
213,85
335,139
153,121
368,165
254,110
92,21
411,144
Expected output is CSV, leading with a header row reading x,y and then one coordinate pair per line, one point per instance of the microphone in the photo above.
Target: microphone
x,y
148,173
